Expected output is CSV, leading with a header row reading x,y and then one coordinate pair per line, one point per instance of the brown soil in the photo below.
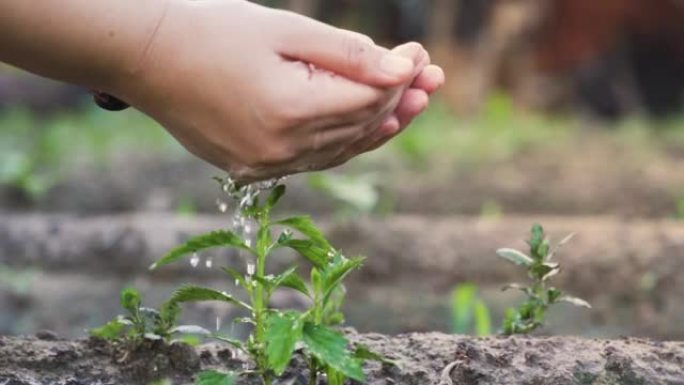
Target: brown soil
x,y
423,359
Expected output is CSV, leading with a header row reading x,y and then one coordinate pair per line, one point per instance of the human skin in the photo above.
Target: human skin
x,y
255,91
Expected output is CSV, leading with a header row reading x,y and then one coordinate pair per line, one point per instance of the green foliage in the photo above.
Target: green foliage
x,y
353,194
142,322
276,333
212,377
540,268
220,238
469,312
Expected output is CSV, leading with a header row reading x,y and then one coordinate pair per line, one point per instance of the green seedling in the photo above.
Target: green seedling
x,y
141,322
469,312
277,334
540,268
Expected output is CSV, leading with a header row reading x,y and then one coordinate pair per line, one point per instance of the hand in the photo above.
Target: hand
x,y
263,93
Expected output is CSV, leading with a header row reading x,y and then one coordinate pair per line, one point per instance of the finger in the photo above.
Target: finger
x,y
416,53
430,79
393,127
312,93
344,53
412,103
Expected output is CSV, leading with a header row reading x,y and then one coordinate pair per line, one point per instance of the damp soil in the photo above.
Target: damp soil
x,y
422,359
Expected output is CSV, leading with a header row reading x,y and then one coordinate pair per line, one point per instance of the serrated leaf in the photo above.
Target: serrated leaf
x,y
575,301
292,280
515,256
283,331
213,377
516,286
330,347
130,300
191,329
363,353
306,226
232,341
220,238
274,197
318,256
334,274
190,293
560,244
109,331
237,276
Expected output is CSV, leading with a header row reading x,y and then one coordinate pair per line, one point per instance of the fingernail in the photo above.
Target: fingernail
x,y
396,66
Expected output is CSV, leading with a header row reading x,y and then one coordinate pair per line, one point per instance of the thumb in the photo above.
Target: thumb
x,y
345,53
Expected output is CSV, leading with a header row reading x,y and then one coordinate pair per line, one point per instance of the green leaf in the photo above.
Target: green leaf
x,y
575,301
213,377
515,256
462,299
363,353
110,331
232,341
191,329
274,197
334,274
130,300
201,242
292,280
237,276
330,347
540,271
283,331
553,294
317,255
517,286
306,226
483,320
190,293
537,236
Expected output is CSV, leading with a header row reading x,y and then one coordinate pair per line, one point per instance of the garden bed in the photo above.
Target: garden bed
x,y
632,272
422,359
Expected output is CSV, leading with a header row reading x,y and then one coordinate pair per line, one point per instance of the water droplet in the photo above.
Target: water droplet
x,y
218,323
248,242
222,206
250,268
237,282
209,263
194,260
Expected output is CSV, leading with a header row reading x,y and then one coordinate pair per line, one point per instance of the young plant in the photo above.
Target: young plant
x,y
540,296
141,322
469,312
276,334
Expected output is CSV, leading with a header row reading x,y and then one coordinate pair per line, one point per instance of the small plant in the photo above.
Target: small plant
x,y
540,296
142,322
277,334
469,312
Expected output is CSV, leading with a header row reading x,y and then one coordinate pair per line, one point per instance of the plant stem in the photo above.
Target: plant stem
x,y
259,310
313,372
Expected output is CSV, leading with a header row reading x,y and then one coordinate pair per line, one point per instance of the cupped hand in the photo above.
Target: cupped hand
x,y
263,93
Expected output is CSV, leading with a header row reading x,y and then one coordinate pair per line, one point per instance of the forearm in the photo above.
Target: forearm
x,y
87,42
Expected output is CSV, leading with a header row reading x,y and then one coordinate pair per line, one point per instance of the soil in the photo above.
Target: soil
x,y
422,359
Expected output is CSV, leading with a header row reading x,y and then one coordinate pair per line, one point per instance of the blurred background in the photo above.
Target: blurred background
x,y
562,112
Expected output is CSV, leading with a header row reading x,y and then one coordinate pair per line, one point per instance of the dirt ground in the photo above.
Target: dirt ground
x,y
422,359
